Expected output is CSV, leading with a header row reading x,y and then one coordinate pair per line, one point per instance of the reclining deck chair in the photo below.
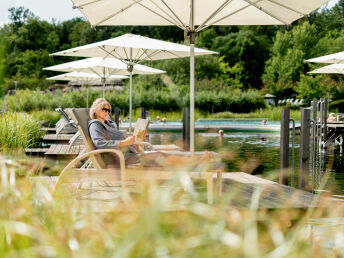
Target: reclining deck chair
x,y
65,124
122,175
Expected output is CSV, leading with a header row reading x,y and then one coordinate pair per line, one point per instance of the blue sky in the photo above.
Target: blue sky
x,y
49,9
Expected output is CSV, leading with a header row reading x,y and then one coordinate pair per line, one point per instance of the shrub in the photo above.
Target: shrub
x,y
165,99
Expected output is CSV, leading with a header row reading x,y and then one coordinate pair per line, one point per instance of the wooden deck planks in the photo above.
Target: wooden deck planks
x,y
63,149
57,137
36,150
48,129
245,188
270,195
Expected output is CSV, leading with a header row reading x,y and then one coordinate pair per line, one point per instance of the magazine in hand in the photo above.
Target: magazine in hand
x,y
141,128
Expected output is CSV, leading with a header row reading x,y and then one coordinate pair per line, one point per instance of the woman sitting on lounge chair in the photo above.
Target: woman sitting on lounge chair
x,y
104,135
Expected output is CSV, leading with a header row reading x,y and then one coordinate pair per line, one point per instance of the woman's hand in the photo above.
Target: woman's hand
x,y
128,141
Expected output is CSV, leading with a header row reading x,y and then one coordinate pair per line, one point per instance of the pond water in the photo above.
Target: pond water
x,y
229,121
259,153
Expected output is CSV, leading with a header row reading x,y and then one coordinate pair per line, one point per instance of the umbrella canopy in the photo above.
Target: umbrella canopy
x,y
102,67
83,77
193,16
333,68
201,13
336,58
132,49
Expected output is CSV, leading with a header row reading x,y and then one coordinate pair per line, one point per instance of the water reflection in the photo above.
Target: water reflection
x,y
259,153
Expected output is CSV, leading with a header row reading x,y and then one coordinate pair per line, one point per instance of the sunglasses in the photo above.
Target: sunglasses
x,y
106,110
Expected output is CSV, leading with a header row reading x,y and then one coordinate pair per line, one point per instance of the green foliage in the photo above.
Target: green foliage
x,y
2,62
310,88
273,114
19,15
48,116
206,67
18,130
320,86
269,57
234,101
247,50
331,43
164,100
206,38
287,56
337,105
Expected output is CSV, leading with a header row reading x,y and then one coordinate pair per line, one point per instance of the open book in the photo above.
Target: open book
x,y
141,128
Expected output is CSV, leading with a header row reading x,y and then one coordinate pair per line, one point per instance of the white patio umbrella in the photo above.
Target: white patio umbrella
x,y
105,67
132,49
336,58
330,69
193,16
84,78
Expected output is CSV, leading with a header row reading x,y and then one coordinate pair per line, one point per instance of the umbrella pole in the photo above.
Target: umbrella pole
x,y
192,98
87,96
130,99
192,77
104,89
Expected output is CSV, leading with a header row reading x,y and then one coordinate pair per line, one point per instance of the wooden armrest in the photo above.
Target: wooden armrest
x,y
88,154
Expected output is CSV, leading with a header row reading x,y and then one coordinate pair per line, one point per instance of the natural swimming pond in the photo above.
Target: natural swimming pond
x,y
259,153
205,125
229,121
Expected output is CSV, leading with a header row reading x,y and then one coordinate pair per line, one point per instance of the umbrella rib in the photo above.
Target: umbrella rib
x,y
175,15
174,54
119,57
108,53
79,6
113,71
118,12
287,7
125,52
249,4
214,13
95,72
149,56
265,11
136,57
174,21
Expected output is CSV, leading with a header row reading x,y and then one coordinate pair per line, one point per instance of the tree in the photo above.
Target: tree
x,y
247,50
19,15
288,53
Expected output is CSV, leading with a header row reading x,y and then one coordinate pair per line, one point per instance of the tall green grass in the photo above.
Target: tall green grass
x,y
169,221
18,130
48,116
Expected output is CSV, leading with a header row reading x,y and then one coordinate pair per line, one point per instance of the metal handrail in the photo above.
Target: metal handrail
x,y
293,151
